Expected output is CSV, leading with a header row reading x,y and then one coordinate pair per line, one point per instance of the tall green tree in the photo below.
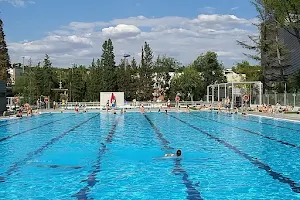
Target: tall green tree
x,y
294,82
252,72
94,81
268,49
286,14
162,68
4,57
126,78
210,68
189,84
134,81
79,78
146,74
108,64
49,78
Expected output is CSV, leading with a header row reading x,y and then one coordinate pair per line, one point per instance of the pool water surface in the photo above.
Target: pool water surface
x,y
106,156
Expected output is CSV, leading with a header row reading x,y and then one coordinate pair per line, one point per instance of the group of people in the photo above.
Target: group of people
x,y
24,107
274,109
142,108
78,106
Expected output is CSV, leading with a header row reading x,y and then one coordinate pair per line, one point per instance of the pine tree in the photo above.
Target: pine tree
x,y
146,74
134,81
4,57
94,81
78,83
108,64
271,53
49,78
286,14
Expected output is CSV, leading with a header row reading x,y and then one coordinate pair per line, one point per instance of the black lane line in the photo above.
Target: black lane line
x,y
275,175
30,155
22,132
160,136
91,179
14,121
252,132
249,120
59,166
192,192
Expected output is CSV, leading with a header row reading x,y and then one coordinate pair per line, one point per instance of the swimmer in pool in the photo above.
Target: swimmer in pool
x,y
178,154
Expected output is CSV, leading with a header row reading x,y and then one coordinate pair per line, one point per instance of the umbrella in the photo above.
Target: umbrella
x,y
112,97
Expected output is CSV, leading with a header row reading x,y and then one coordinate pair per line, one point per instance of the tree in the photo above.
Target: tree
x,y
252,72
94,81
108,64
210,68
49,78
26,85
271,53
162,68
286,14
78,83
4,57
126,79
134,80
146,82
189,84
294,82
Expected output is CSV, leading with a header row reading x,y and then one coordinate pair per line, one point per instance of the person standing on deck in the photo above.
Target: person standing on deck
x,y
54,105
219,107
227,104
38,104
107,105
169,104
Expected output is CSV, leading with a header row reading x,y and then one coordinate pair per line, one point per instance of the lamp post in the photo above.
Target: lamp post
x,y
125,56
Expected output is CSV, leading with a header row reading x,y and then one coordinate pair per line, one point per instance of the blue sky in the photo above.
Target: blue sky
x,y
41,23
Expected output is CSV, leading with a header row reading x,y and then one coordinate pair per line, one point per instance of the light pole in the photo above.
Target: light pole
x,y
125,56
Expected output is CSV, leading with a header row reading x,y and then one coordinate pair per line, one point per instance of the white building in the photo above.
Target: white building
x,y
233,77
14,73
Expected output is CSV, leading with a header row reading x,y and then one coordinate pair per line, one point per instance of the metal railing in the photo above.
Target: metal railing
x,y
285,99
98,105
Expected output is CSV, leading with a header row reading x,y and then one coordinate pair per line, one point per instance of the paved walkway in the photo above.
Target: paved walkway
x,y
295,117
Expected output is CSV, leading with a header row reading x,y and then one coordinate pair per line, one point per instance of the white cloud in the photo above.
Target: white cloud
x,y
235,8
18,3
180,37
121,31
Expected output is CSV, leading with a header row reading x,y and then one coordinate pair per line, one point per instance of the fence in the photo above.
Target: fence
x,y
290,99
284,99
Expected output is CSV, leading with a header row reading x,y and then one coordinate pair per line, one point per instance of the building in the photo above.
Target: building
x,y
293,46
233,77
284,60
14,73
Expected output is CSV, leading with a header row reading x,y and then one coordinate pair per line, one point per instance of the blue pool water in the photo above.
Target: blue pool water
x,y
105,156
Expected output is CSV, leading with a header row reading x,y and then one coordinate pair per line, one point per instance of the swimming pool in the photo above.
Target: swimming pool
x,y
105,156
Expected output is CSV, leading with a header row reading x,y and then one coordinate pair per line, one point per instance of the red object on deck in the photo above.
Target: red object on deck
x,y
112,97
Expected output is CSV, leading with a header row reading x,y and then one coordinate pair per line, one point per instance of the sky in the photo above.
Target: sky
x,y
72,31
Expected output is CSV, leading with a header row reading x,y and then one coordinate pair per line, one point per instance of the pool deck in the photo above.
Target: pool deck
x,y
293,117
280,116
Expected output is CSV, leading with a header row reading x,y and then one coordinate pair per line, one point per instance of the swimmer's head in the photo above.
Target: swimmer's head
x,y
178,152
